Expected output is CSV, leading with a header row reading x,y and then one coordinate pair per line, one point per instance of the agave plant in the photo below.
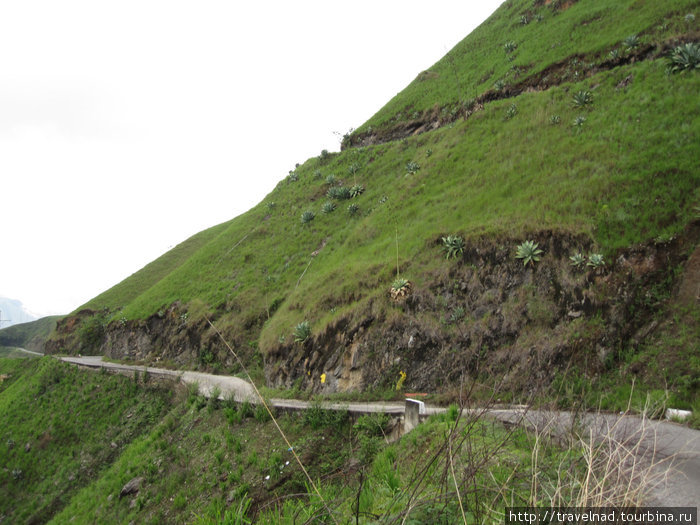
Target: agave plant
x,y
529,252
499,85
400,288
524,20
684,57
577,260
292,177
271,205
453,246
328,207
631,42
555,119
302,332
579,122
330,180
614,54
509,47
357,190
511,111
338,192
307,216
412,167
595,261
582,99
353,209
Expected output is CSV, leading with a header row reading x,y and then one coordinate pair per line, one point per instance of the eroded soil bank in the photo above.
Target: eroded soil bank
x,y
486,317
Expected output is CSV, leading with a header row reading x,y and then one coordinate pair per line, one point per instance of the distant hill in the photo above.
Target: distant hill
x,y
13,312
30,335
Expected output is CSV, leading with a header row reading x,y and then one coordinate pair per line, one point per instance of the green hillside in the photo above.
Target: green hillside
x,y
81,446
30,335
587,144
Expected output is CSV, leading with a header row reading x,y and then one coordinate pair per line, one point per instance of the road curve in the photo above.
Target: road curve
x,y
667,454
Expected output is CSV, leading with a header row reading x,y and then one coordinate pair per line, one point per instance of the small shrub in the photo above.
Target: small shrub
x,y
453,246
353,209
338,193
357,190
324,154
457,315
595,261
400,288
579,121
554,120
529,252
582,99
292,177
511,111
509,47
302,332
307,217
631,42
330,180
412,167
318,174
577,260
690,17
684,58
428,152
328,207
261,414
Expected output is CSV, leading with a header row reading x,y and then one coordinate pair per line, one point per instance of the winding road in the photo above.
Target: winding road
x,y
666,454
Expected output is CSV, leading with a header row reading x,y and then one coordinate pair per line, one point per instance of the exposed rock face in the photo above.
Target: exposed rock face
x,y
489,316
131,487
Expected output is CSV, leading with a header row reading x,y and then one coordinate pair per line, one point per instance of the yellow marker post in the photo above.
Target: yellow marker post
x,y
323,378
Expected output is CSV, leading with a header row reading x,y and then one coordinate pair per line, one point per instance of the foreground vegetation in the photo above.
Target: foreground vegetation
x,y
74,441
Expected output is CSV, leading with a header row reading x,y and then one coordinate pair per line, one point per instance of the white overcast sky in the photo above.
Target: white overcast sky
x,y
127,126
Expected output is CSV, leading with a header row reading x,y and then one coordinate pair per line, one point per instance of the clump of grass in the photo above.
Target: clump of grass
x,y
412,167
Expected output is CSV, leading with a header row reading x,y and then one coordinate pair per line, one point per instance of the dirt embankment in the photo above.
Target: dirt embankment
x,y
484,317
490,318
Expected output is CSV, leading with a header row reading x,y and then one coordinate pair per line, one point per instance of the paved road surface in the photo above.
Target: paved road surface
x,y
670,453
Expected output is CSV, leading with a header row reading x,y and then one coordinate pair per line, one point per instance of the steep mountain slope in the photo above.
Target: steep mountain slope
x,y
588,145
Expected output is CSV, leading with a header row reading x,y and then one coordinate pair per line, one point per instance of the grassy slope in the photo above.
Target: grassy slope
x,y
30,336
629,174
153,272
589,28
204,460
57,426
